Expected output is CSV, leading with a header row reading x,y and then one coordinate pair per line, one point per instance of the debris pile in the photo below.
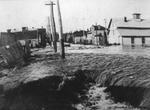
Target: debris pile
x,y
11,55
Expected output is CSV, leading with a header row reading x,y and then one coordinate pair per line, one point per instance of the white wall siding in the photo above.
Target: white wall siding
x,y
147,41
126,41
114,37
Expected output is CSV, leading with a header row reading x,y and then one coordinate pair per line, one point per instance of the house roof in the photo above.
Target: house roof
x,y
134,32
79,33
132,23
98,27
133,27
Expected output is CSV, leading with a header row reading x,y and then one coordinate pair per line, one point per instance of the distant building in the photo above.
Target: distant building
x,y
37,36
97,35
135,31
68,37
79,37
90,37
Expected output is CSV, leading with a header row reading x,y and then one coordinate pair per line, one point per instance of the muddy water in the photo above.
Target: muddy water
x,y
97,99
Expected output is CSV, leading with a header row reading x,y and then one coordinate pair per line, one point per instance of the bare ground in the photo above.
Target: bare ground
x,y
126,77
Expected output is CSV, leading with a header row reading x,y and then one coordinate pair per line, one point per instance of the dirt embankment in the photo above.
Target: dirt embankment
x,y
127,79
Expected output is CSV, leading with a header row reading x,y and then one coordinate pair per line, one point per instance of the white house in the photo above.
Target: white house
x,y
135,31
97,35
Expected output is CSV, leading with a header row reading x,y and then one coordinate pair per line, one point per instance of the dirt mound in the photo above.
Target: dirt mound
x,y
127,76
117,72
50,93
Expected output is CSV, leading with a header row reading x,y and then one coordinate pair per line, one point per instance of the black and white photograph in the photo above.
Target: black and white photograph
x,y
74,54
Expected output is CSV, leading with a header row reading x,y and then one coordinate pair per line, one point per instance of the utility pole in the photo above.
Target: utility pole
x,y
62,49
49,34
53,28
105,33
105,22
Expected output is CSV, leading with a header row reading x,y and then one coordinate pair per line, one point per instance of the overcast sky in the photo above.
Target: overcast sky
x,y
76,14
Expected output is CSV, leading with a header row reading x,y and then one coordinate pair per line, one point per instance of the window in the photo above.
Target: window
x,y
143,40
132,40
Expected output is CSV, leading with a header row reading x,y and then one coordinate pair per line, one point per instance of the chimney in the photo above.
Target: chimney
x,y
136,15
8,30
24,29
125,19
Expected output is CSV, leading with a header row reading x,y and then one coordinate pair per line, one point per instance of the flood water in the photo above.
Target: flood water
x,y
97,99
127,50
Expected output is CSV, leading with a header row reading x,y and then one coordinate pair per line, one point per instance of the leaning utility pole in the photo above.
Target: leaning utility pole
x,y
53,28
62,49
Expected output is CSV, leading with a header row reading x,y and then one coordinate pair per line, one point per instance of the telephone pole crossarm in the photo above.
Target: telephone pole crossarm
x,y
50,3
